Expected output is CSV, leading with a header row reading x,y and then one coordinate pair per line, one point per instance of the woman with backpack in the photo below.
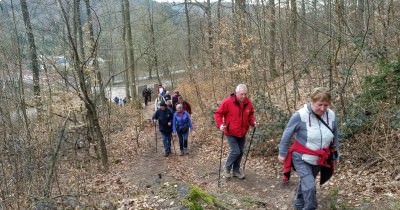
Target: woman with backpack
x,y
181,124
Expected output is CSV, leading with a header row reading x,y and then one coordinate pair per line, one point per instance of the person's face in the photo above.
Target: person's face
x,y
319,107
180,99
179,109
241,95
162,107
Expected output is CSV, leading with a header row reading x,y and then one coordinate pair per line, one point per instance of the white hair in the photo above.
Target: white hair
x,y
241,87
178,106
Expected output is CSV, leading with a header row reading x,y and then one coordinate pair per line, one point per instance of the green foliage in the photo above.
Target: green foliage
x,y
384,86
396,206
274,119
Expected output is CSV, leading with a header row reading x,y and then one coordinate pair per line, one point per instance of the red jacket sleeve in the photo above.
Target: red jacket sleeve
x,y
220,113
252,119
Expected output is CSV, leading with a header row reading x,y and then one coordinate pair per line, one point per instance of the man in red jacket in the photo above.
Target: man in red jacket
x,y
234,117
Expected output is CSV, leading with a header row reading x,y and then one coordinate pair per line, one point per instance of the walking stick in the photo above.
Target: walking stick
x,y
220,160
172,139
248,150
155,133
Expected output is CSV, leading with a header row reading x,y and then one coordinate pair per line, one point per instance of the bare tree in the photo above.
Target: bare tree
x,y
32,48
189,56
83,92
153,50
128,30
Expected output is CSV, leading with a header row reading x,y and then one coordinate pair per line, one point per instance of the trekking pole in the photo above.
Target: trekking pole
x,y
173,144
248,150
220,160
155,134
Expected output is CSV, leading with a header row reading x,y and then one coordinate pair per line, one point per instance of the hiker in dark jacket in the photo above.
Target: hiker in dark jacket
x,y
175,99
146,93
314,128
167,96
164,117
181,126
116,100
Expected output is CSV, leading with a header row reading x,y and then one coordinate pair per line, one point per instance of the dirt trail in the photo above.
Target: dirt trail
x,y
153,173
141,178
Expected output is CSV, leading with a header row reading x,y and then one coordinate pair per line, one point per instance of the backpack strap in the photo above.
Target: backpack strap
x,y
322,121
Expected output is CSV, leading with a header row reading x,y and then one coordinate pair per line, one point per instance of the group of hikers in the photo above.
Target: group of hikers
x,y
119,100
174,119
313,128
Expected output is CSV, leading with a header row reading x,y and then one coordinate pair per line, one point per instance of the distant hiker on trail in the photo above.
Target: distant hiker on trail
x,y
116,100
121,101
185,105
167,96
175,99
314,150
181,126
164,117
234,117
146,93
161,90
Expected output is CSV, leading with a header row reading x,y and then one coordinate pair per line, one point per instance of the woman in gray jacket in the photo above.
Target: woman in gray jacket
x,y
314,128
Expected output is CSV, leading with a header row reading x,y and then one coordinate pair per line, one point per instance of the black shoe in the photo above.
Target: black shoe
x,y
166,154
181,153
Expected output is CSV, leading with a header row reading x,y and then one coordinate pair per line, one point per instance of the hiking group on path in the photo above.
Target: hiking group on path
x,y
309,144
173,116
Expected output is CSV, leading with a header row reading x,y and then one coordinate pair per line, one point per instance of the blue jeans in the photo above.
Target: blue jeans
x,y
166,138
236,145
306,193
183,140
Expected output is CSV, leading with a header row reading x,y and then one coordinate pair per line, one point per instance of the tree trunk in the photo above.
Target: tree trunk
x,y
90,106
32,49
153,41
272,34
93,53
190,62
126,61
127,25
78,21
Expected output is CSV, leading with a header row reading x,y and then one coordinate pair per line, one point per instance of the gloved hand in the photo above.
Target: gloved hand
x,y
222,128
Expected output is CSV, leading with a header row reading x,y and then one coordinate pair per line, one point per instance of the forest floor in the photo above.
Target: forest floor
x,y
145,179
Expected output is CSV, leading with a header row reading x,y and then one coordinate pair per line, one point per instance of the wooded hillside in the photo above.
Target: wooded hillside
x,y
62,62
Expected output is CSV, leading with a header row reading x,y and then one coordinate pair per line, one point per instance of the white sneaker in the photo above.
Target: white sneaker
x,y
227,174
239,175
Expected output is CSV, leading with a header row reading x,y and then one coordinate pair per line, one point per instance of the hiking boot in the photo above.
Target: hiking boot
x,y
238,175
182,153
227,174
166,154
296,207
186,151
